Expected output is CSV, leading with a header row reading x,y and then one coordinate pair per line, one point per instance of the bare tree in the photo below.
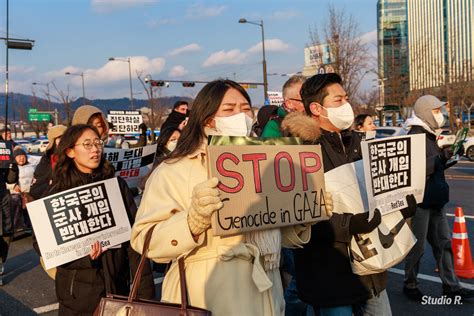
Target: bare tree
x,y
66,101
349,54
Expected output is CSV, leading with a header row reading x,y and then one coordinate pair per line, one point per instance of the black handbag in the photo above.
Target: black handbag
x,y
113,305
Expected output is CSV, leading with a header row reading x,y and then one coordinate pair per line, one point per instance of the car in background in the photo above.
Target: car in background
x,y
39,146
389,131
25,145
469,148
445,138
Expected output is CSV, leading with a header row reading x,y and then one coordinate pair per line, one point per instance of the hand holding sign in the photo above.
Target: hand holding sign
x,y
410,210
360,224
205,201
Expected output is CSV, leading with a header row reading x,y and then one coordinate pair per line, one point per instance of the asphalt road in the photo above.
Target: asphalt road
x,y
29,291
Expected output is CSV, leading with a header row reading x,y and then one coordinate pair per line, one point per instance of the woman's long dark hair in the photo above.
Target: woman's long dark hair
x,y
359,121
65,173
163,139
205,106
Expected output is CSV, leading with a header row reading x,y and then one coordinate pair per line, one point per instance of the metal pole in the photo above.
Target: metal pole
x,y
130,77
83,89
49,98
264,65
6,80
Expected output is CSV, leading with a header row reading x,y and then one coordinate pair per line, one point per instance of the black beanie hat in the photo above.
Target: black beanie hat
x,y
18,152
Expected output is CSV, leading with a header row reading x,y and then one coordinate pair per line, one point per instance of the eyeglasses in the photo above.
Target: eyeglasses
x,y
292,99
88,144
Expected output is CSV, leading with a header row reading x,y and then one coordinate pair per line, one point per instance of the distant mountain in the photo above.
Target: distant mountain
x,y
20,103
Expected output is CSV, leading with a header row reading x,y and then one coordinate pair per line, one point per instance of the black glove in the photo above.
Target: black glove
x,y
446,153
410,210
360,225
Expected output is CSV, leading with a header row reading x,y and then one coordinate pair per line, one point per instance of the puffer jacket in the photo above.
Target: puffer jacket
x,y
324,275
81,284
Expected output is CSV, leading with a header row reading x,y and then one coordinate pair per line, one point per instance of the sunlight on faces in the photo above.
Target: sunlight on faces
x,y
86,160
368,125
182,108
233,103
98,122
20,160
293,98
336,96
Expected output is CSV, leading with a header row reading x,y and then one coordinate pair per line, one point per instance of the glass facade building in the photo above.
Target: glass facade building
x,y
440,42
392,38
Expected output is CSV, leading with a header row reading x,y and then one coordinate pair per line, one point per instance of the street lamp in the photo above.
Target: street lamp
x,y
47,92
129,75
12,43
264,62
83,89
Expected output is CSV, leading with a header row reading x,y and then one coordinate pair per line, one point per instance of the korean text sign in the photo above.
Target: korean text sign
x,y
67,223
131,164
266,186
124,122
6,152
394,167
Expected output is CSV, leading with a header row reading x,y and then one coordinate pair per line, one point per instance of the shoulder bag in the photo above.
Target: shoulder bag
x,y
113,305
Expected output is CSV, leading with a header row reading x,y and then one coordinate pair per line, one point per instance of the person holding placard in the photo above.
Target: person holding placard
x,y
324,275
81,284
231,275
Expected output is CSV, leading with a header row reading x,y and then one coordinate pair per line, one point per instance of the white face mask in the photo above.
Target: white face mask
x,y
172,145
235,125
439,118
341,117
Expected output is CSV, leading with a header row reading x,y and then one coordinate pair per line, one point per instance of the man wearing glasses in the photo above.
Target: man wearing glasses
x,y
291,103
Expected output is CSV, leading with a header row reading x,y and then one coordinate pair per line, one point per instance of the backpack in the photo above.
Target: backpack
x,y
265,115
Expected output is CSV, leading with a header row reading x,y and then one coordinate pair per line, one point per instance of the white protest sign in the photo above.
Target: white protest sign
x,y
131,164
386,245
275,97
66,224
394,167
267,186
124,122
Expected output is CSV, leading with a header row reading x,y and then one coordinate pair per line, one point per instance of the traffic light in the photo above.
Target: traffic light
x,y
188,84
157,83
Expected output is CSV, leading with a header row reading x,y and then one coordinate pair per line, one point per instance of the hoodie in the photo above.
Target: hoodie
x,y
84,113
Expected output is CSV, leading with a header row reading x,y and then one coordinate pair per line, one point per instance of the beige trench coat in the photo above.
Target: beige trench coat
x,y
224,274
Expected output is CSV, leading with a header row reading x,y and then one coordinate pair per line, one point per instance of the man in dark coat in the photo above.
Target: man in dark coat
x,y
429,222
177,116
324,275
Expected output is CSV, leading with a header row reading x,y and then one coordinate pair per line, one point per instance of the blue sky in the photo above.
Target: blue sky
x,y
181,40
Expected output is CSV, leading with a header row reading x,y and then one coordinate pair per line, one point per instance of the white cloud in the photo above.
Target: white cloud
x,y
112,5
284,15
111,71
369,37
177,71
154,23
234,56
271,45
185,49
17,70
198,11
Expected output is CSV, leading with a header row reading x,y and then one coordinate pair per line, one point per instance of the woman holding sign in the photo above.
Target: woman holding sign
x,y
232,275
81,284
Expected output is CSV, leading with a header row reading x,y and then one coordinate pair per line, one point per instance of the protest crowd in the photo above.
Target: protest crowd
x,y
226,221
